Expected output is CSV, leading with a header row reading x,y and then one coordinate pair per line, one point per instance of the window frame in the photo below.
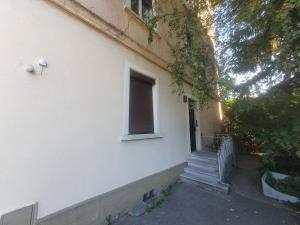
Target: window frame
x,y
126,136
141,112
140,7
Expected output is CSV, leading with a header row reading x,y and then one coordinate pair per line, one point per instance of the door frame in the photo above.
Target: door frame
x,y
198,128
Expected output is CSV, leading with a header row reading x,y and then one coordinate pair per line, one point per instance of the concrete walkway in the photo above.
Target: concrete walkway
x,y
245,205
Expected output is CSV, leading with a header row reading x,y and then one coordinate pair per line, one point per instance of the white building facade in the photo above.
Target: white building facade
x,y
69,138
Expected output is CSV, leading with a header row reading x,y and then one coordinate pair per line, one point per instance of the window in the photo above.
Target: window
x,y
142,7
141,119
141,104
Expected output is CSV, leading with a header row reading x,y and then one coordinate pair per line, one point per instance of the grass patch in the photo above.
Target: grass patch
x,y
295,206
156,203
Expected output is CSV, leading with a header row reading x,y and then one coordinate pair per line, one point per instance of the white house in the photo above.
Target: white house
x,y
88,122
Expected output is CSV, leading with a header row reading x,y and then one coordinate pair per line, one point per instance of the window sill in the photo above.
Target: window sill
x,y
140,20
140,137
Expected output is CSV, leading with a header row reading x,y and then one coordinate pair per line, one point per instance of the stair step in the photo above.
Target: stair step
x,y
198,179
202,162
207,154
204,158
203,169
195,170
209,166
203,176
188,177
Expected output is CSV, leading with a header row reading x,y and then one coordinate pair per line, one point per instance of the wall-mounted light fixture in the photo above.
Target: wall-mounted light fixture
x,y
43,62
29,68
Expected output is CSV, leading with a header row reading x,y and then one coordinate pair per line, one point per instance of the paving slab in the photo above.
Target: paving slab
x,y
190,204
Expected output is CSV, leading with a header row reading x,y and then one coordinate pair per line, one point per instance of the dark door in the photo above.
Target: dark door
x,y
192,126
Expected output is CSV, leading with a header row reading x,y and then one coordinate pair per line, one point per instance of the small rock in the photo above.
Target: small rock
x,y
138,210
255,212
231,209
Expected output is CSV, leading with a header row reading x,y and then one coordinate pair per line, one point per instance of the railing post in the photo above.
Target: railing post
x,y
226,157
219,165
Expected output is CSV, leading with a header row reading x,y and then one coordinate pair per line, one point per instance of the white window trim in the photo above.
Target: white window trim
x,y
140,8
140,137
155,92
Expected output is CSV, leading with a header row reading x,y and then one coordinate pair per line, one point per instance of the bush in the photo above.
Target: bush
x,y
285,164
270,122
289,185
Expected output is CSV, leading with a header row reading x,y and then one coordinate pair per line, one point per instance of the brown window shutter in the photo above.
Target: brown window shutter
x,y
141,104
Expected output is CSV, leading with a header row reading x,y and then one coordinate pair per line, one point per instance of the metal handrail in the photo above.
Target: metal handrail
x,y
226,157
224,145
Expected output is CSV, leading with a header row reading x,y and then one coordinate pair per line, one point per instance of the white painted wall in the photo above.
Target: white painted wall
x,y
60,131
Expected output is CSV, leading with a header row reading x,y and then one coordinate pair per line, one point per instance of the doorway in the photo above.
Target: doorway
x,y
192,123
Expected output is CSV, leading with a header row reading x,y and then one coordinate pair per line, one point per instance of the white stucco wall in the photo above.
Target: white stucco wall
x,y
59,132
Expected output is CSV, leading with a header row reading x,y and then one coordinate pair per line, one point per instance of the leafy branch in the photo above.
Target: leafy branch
x,y
189,23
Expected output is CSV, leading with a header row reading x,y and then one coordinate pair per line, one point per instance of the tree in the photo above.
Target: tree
x,y
192,50
271,122
262,37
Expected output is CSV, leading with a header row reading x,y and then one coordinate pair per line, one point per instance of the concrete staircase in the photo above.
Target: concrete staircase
x,y
203,169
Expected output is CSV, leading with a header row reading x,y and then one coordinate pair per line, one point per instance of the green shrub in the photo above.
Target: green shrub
x,y
271,122
289,185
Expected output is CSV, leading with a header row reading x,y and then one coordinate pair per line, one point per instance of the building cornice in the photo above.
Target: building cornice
x,y
77,10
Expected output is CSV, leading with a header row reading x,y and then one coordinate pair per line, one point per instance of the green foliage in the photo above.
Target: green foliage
x,y
192,50
260,36
285,164
289,185
271,122
108,220
155,204
166,193
295,206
